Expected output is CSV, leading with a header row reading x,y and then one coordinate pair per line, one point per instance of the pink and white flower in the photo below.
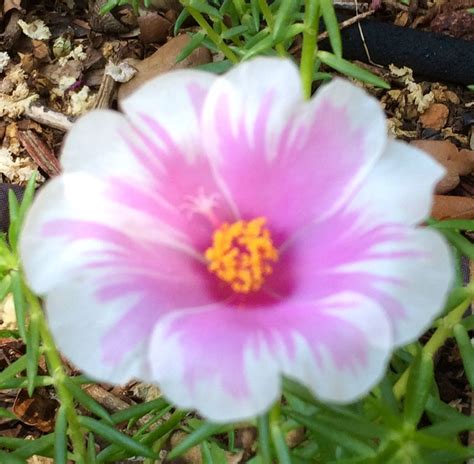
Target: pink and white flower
x,y
223,232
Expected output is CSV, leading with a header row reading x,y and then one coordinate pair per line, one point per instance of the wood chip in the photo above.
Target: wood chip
x,y
41,154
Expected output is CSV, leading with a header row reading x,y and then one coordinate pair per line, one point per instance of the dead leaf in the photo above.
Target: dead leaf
x,y
452,207
38,410
162,61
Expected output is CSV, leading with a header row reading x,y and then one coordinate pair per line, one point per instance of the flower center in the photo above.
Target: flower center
x,y
241,254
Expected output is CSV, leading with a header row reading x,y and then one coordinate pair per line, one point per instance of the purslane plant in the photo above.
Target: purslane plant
x,y
223,231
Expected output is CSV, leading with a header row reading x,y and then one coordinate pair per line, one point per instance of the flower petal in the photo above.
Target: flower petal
x,y
401,185
298,161
407,271
168,108
226,361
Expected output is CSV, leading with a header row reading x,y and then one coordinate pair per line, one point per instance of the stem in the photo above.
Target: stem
x,y
268,15
309,48
437,340
58,374
212,34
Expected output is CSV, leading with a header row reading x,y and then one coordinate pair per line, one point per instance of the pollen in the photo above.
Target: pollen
x,y
242,254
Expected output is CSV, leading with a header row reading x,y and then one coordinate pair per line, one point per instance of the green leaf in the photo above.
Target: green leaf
x,y
283,19
5,286
419,385
281,449
183,16
195,42
204,7
462,244
6,414
264,449
5,333
195,438
451,427
458,224
218,67
468,322
350,69
13,208
344,440
13,369
28,196
38,446
91,449
19,301
138,410
332,26
7,458
234,31
89,403
114,436
60,437
32,351
467,351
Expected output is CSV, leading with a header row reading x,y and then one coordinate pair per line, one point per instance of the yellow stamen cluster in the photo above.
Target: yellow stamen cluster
x,y
241,254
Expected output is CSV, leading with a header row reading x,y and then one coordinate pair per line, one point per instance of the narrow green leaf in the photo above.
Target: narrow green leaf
x,y
234,31
13,208
283,19
138,410
89,403
27,200
281,449
91,449
350,69
5,286
451,427
114,452
13,369
255,9
419,385
22,382
183,16
195,42
38,446
441,411
204,7
342,439
206,454
458,224
332,26
264,447
19,301
461,243
5,333
114,436
6,414
7,458
217,67
467,351
468,322
60,437
195,438
32,351
109,6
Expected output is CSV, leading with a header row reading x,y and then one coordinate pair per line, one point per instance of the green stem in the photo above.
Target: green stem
x,y
268,15
212,34
309,48
437,340
59,375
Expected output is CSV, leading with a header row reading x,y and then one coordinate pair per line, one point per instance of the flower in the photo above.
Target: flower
x,y
223,232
